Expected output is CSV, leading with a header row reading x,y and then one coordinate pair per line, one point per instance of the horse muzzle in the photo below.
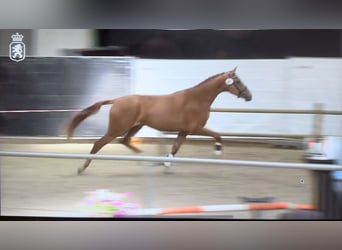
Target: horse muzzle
x,y
245,94
248,98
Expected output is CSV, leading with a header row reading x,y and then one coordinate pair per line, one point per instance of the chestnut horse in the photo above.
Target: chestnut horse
x,y
185,112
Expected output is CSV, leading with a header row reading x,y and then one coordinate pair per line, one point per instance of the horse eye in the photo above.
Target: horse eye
x,y
229,81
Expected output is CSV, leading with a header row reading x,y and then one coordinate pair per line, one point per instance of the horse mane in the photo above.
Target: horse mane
x,y
209,79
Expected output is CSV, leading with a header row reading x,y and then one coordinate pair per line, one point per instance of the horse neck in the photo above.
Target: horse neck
x,y
208,91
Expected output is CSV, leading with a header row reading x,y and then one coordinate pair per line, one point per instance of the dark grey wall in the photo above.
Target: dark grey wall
x,y
59,83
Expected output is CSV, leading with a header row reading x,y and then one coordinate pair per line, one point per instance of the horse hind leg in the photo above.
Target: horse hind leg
x,y
96,147
127,139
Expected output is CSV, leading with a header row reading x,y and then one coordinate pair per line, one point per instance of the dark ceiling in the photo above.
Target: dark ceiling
x,y
219,44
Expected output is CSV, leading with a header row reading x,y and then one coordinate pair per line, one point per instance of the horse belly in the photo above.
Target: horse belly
x,y
173,121
157,120
171,113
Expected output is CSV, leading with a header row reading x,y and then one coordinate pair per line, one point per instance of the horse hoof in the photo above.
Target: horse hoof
x,y
79,171
168,164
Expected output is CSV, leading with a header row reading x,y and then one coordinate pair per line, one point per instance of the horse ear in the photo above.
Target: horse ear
x,y
234,69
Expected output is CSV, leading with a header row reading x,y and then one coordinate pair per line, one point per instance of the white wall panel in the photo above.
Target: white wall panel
x,y
295,83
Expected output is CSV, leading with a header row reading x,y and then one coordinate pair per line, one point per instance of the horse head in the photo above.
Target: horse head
x,y
236,86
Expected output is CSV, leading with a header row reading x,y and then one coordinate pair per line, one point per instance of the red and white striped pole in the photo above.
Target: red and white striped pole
x,y
227,208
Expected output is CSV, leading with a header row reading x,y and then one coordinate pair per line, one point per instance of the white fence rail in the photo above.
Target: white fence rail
x,y
279,111
318,111
237,163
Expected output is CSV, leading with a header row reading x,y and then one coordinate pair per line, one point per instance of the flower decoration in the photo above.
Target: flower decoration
x,y
103,203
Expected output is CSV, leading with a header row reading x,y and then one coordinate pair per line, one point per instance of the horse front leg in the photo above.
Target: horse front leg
x,y
176,146
215,135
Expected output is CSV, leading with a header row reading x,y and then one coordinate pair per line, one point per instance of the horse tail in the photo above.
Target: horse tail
x,y
83,114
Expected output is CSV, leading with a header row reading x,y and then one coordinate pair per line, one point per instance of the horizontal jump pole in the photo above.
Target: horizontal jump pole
x,y
229,110
226,136
326,167
278,111
226,208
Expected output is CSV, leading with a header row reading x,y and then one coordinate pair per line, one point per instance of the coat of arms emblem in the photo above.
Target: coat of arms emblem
x,y
17,48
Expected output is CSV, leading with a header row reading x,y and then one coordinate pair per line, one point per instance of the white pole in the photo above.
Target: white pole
x,y
326,167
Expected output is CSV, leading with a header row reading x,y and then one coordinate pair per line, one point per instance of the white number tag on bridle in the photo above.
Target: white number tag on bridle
x,y
229,81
